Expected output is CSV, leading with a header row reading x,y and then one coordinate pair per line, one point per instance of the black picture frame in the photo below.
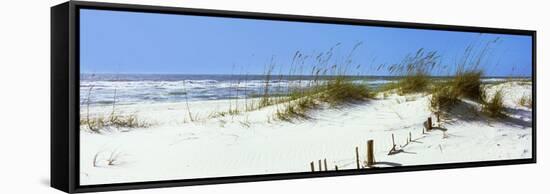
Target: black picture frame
x,y
65,95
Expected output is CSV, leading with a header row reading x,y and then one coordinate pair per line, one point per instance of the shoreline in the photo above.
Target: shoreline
x,y
172,91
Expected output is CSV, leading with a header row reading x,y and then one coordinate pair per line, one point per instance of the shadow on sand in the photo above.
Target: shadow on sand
x,y
394,152
391,164
469,112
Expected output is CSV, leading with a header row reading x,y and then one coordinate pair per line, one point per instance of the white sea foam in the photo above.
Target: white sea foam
x,y
150,91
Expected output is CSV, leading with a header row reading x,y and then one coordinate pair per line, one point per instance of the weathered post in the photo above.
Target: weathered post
x,y
393,142
370,153
429,123
326,168
410,137
336,167
357,156
312,167
320,166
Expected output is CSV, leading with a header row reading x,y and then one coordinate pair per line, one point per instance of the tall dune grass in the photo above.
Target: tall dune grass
x,y
336,91
415,71
494,107
443,98
466,81
526,101
331,85
467,84
99,122
327,83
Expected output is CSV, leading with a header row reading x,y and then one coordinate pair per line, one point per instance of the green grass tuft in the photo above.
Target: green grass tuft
x,y
443,99
467,84
96,124
415,72
414,83
341,90
335,92
494,107
526,101
297,109
447,93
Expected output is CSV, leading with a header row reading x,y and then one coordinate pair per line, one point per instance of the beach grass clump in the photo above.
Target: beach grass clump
x,y
415,71
98,123
495,106
447,93
230,112
329,82
266,99
296,109
526,101
342,90
93,124
414,83
467,79
467,84
443,98
336,91
127,121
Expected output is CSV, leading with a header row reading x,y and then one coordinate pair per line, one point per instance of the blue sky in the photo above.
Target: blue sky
x,y
129,42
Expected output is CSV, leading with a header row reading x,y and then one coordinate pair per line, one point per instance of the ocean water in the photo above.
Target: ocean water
x,y
104,89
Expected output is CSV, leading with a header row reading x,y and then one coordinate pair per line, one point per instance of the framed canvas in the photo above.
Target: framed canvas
x,y
150,96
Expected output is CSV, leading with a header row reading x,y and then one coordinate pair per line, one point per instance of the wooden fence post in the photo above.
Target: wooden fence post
x,y
357,156
410,137
336,167
320,166
326,168
370,153
429,123
393,142
312,167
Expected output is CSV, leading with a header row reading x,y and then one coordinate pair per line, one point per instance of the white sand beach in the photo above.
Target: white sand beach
x,y
255,142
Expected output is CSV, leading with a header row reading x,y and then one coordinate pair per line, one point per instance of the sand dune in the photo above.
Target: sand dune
x,y
256,143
